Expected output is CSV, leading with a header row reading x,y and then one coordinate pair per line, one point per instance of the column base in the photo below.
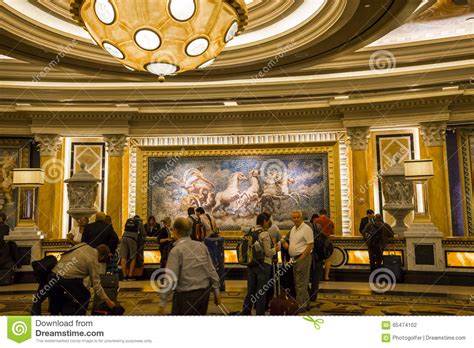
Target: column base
x,y
424,248
27,238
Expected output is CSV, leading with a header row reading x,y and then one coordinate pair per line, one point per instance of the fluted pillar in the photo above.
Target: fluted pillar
x,y
48,146
434,139
358,139
116,144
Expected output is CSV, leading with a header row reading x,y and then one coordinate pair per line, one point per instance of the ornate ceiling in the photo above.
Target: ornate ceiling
x,y
310,57
301,33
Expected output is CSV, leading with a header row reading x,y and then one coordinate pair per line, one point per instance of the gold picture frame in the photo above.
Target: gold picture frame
x,y
466,165
144,153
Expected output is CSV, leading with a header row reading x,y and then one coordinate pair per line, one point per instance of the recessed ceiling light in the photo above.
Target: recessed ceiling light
x,y
451,88
231,103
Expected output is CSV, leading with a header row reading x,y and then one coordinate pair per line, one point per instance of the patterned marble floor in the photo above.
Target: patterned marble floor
x,y
336,298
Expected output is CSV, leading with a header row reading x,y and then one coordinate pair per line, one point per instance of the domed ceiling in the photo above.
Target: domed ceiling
x,y
298,33
294,54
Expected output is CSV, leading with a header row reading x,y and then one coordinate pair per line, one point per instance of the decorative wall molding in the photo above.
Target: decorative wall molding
x,y
287,138
48,144
433,133
358,138
116,144
466,174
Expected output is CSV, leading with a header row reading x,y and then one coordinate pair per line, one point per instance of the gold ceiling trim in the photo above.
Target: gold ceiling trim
x,y
238,5
75,9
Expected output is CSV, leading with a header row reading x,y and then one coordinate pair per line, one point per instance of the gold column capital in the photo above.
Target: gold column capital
x,y
116,144
48,144
358,138
433,133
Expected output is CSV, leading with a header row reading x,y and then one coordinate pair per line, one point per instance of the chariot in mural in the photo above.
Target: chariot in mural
x,y
235,190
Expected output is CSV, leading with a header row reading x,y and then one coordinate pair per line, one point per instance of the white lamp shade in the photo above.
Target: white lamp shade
x,y
28,177
419,170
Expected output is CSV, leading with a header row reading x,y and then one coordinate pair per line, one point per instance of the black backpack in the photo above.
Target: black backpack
x,y
198,232
132,225
249,250
323,248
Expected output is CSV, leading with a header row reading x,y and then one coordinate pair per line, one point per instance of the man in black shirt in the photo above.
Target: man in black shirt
x,y
100,232
366,220
165,241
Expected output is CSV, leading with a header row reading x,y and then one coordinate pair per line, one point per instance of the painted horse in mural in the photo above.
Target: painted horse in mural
x,y
249,200
231,194
277,191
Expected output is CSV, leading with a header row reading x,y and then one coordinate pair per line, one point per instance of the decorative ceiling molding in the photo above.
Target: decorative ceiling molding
x,y
445,9
332,117
339,26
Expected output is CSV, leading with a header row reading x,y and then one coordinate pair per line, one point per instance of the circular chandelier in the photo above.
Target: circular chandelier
x,y
163,37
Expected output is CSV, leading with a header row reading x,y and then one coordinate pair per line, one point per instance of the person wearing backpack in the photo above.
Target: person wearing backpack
x,y
62,281
322,250
259,268
208,221
128,247
328,228
376,235
198,231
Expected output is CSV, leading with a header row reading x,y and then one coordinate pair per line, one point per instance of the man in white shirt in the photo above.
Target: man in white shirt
x,y
299,243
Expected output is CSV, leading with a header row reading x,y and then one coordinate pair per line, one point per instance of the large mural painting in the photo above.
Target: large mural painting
x,y
236,189
14,153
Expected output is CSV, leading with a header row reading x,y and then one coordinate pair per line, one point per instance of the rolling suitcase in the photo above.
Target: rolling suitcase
x,y
394,264
216,251
110,284
282,303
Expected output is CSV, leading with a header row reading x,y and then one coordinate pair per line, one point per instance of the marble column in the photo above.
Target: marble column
x,y
48,146
358,139
434,139
116,144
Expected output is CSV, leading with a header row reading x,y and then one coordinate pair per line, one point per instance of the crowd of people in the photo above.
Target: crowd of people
x,y
97,250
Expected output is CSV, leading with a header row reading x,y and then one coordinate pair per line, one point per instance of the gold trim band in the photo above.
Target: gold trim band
x,y
238,5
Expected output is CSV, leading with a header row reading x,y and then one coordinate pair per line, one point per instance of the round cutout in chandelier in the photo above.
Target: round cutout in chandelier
x,y
163,37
